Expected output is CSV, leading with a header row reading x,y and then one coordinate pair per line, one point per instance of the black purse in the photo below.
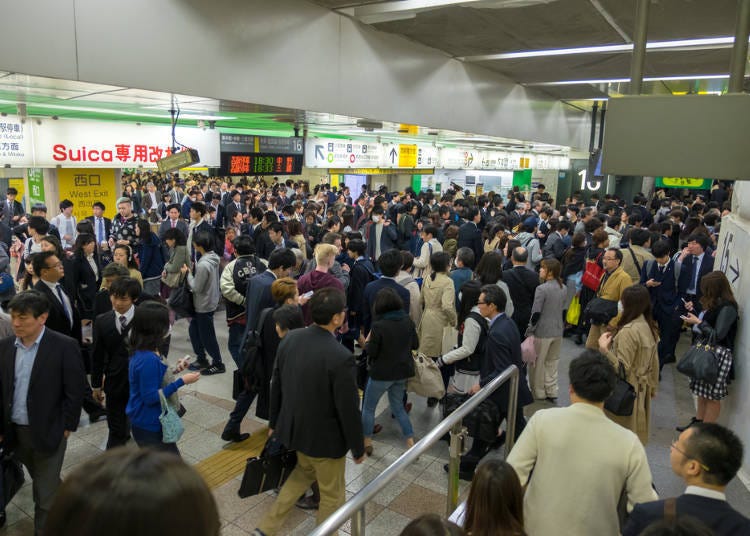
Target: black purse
x,y
622,399
269,470
600,311
700,362
181,300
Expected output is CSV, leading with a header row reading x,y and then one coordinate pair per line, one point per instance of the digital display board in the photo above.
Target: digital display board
x,y
260,164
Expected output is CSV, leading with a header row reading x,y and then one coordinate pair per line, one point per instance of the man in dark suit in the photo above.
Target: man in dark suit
x,y
707,457
522,284
102,225
234,205
173,221
311,366
555,246
390,263
12,210
659,277
382,235
62,315
693,263
110,357
469,235
42,382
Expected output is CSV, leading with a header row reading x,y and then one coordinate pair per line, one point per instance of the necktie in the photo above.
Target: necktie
x,y
694,275
100,230
173,223
123,323
64,303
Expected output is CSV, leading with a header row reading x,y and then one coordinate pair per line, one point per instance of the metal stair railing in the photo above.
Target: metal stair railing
x,y
354,508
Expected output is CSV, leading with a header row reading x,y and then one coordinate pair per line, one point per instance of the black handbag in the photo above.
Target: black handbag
x,y
181,300
622,399
600,311
269,470
481,423
12,477
700,362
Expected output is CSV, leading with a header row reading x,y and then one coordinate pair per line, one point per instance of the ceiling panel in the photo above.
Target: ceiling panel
x,y
467,31
339,4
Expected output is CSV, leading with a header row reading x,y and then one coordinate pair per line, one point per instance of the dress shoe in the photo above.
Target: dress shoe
x,y
669,359
234,437
578,339
463,473
688,425
198,366
377,428
499,441
97,415
307,503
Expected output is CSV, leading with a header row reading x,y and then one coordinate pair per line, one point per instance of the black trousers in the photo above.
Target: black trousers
x,y
117,389
669,331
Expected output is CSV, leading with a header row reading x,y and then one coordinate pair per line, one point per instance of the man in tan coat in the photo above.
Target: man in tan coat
x,y
615,280
636,256
582,462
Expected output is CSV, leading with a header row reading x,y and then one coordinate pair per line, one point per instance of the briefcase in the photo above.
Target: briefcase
x,y
12,477
269,470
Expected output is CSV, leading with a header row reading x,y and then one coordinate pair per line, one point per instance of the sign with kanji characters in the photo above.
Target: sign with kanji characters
x,y
36,187
86,186
81,143
15,142
683,182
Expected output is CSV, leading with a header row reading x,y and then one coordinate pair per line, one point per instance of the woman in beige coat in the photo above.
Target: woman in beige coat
x,y
633,344
438,299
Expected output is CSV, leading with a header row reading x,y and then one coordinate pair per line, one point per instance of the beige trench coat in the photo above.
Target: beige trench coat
x,y
634,346
438,299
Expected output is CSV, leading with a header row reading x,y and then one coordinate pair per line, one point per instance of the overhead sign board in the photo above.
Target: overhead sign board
x,y
683,182
241,143
341,153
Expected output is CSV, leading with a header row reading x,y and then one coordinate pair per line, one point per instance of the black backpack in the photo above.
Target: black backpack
x,y
253,371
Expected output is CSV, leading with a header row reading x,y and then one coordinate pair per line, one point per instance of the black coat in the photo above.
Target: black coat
x,y
55,391
86,284
392,339
686,270
503,349
314,397
372,289
469,236
57,320
110,353
522,284
716,514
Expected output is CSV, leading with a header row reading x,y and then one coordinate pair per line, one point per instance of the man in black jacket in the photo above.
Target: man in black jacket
x,y
469,235
522,284
110,357
312,366
42,382
707,456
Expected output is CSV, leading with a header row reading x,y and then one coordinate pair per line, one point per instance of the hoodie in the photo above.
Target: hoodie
x,y
316,280
205,283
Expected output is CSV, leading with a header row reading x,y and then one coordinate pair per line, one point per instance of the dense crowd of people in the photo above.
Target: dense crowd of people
x,y
328,292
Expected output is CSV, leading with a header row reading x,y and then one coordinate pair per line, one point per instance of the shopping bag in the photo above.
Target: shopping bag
x,y
427,380
574,311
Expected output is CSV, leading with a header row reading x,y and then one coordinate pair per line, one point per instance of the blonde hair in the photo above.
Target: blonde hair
x,y
324,252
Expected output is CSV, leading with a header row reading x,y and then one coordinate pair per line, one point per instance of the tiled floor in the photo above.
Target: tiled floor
x,y
419,488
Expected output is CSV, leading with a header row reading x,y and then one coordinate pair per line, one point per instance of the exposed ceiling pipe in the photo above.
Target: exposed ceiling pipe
x,y
610,20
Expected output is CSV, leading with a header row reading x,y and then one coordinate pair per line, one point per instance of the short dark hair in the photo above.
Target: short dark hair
x,y
149,327
256,213
701,238
407,260
471,213
289,317
325,303
115,270
99,204
199,207
66,203
40,261
617,252
662,248
718,448
281,258
466,256
520,254
177,235
175,206
11,191
125,286
270,216
680,526
430,525
276,227
386,301
243,245
204,239
592,376
29,301
495,295
390,262
431,230
357,246
440,261
39,224
563,224
638,237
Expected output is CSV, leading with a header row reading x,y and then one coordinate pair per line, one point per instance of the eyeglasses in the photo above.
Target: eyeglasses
x,y
703,466
481,303
609,258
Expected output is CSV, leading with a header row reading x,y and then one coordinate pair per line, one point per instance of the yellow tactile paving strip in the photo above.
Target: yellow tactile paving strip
x,y
230,462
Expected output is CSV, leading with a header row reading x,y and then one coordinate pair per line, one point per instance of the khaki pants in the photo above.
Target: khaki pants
x,y
543,375
592,342
329,472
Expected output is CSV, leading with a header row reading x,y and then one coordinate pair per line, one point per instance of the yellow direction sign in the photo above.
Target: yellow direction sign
x,y
407,156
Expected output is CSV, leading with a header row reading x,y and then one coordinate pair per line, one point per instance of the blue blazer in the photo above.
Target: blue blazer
x,y
687,269
665,297
502,349
717,514
372,289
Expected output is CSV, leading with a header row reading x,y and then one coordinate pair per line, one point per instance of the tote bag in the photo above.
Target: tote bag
x,y
592,274
700,362
171,424
427,380
181,300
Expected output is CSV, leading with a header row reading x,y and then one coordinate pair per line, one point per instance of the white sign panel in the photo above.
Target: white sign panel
x,y
337,153
15,142
460,158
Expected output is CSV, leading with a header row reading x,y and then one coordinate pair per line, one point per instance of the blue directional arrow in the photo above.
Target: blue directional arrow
x,y
319,152
393,154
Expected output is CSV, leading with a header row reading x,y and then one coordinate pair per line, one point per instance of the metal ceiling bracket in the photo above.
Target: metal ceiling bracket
x,y
639,46
739,52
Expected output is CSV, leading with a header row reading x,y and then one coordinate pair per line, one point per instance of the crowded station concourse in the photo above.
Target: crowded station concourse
x,y
230,314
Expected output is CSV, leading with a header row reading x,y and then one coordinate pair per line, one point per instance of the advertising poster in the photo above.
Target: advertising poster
x,y
84,187
36,187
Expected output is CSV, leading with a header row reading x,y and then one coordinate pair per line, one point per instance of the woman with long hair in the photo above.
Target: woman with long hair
x,y
297,235
546,325
496,238
632,347
122,254
150,256
86,274
178,256
495,503
718,320
149,373
438,299
489,271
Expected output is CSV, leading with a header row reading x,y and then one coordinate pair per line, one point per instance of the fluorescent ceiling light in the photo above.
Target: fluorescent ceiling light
x,y
684,44
626,80
121,112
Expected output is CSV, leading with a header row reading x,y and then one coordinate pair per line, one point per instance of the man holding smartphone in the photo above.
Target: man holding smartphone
x,y
695,261
660,277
